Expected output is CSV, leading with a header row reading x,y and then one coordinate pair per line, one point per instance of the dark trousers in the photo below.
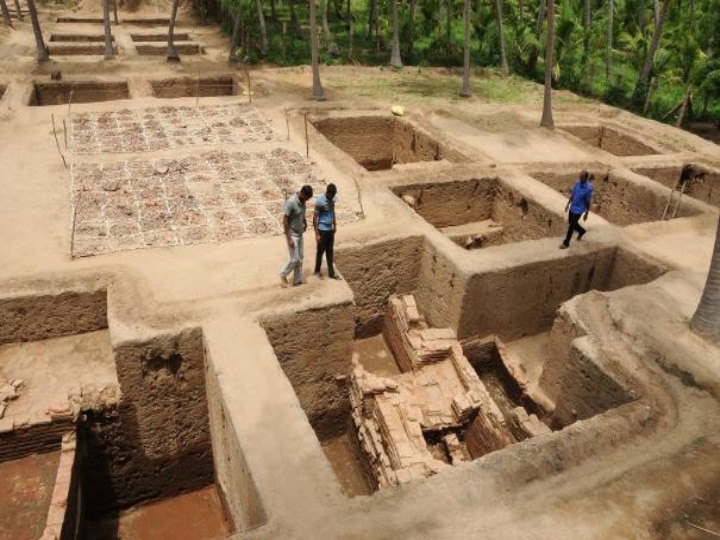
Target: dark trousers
x,y
574,225
327,242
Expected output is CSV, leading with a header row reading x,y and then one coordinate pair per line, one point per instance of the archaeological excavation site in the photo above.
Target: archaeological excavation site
x,y
464,378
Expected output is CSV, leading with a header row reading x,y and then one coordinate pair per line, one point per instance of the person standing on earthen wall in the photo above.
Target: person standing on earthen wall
x,y
294,225
325,227
578,205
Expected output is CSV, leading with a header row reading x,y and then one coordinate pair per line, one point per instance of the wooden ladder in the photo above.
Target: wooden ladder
x,y
678,188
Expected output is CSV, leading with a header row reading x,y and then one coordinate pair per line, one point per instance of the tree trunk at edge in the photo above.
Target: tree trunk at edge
x,y
317,89
395,60
235,38
263,28
18,10
547,119
5,13
706,320
501,37
466,90
42,51
109,52
172,55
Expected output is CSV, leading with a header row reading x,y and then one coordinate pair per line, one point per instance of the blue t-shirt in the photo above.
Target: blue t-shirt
x,y
581,196
325,210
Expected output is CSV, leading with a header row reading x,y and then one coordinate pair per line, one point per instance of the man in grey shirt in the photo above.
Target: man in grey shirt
x,y
294,225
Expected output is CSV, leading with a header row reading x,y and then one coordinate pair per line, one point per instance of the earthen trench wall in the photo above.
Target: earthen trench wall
x,y
157,442
707,190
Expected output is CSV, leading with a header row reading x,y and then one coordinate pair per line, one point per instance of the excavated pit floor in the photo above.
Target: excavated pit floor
x,y
379,142
611,140
159,37
197,515
480,213
100,38
26,488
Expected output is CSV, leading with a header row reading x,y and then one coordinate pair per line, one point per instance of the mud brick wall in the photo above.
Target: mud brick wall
x,y
706,190
375,272
157,442
231,470
314,348
519,301
32,318
33,439
58,93
448,204
367,139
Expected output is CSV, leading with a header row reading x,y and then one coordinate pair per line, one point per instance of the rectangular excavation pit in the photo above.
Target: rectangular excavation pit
x,y
148,49
165,458
379,142
99,38
619,200
481,212
704,187
611,140
62,93
79,19
159,37
222,85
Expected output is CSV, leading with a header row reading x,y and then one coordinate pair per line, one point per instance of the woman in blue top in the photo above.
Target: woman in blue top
x,y
578,204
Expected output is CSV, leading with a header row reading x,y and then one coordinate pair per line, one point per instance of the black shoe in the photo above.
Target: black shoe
x,y
564,245
581,235
335,276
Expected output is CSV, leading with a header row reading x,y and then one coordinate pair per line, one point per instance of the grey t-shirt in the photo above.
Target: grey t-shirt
x,y
295,211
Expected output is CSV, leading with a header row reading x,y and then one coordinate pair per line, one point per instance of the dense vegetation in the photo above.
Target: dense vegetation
x,y
601,46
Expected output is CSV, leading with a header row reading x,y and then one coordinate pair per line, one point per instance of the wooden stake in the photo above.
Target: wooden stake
x,y
287,123
307,141
65,133
57,143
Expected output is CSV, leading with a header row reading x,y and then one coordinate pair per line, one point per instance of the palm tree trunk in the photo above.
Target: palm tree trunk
x,y
656,12
172,55
109,53
263,29
547,119
448,23
501,37
534,52
115,12
684,108
235,39
395,60
641,87
294,23
324,16
586,31
42,51
466,91
317,89
641,15
351,31
411,32
706,320
18,9
521,13
372,18
5,13
273,12
608,61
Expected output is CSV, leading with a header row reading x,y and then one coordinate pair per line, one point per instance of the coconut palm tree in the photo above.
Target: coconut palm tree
x,y
263,29
42,51
501,37
172,55
547,119
395,60
235,38
643,82
466,91
5,13
706,320
317,89
18,9
109,53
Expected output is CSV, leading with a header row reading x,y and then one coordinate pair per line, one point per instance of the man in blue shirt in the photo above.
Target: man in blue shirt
x,y
325,227
578,204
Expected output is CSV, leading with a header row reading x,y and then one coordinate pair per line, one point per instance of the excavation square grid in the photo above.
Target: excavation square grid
x,y
161,128
216,196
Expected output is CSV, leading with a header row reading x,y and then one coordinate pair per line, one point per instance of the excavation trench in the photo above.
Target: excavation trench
x,y
145,447
481,212
704,187
62,93
611,140
100,38
223,85
151,49
354,374
619,200
159,37
379,142
79,49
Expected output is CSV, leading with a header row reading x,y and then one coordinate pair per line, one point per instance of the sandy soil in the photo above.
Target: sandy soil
x,y
654,471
